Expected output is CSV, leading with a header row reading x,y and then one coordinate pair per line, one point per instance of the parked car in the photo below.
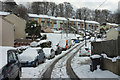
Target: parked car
x,y
84,51
81,39
49,53
22,48
64,44
58,50
73,42
32,57
77,40
10,66
44,44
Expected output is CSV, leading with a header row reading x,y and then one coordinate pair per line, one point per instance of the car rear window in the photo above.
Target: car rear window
x,y
40,51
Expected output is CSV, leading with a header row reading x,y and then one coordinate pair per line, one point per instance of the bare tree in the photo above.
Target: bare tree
x,y
9,5
35,8
61,9
21,11
52,8
68,9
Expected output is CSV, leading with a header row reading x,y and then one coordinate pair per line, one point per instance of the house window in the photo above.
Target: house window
x,y
42,19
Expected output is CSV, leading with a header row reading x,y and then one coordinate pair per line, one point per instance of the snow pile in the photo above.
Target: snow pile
x,y
113,59
95,56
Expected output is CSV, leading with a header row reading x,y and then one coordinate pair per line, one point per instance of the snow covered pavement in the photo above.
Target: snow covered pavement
x,y
81,66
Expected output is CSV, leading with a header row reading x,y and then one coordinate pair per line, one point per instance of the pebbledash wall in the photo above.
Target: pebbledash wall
x,y
112,49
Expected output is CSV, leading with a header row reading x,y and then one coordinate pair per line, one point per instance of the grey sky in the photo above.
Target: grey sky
x,y
111,5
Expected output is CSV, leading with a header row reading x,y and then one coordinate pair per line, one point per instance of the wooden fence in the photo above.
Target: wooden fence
x,y
111,49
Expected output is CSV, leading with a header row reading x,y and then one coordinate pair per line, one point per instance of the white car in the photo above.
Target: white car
x,y
84,51
49,53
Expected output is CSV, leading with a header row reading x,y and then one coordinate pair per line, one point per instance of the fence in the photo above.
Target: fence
x,y
112,49
22,42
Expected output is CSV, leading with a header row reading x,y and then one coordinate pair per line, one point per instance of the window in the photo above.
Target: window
x,y
14,56
10,57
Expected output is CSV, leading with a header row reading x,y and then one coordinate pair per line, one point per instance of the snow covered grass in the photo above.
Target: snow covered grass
x,y
81,66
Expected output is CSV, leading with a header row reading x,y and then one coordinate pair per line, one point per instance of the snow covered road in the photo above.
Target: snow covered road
x,y
59,70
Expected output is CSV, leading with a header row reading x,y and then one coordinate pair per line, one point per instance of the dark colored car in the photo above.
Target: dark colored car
x,y
58,51
10,67
32,57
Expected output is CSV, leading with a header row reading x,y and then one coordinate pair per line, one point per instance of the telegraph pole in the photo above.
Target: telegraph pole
x,y
85,30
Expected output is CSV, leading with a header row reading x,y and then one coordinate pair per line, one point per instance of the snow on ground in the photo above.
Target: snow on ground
x,y
36,72
81,66
59,70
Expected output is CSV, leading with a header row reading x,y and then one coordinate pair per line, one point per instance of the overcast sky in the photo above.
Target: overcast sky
x,y
111,5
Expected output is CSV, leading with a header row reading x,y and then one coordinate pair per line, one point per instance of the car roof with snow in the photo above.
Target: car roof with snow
x,y
3,55
42,41
29,54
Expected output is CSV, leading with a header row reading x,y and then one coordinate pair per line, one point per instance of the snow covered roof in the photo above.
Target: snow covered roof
x,y
58,18
112,24
93,22
38,16
42,41
72,19
3,55
4,13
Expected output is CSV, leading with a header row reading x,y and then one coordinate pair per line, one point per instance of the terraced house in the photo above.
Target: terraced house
x,y
43,20
60,22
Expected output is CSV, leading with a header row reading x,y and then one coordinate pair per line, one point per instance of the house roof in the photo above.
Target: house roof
x,y
112,24
4,13
38,16
92,22
58,18
13,15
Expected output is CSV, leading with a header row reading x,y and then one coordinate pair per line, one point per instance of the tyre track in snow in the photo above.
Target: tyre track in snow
x,y
47,73
69,69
